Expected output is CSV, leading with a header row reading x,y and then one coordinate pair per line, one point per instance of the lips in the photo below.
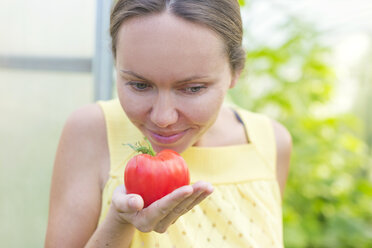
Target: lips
x,y
167,138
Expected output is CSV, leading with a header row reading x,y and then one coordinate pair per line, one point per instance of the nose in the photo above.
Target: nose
x,y
163,112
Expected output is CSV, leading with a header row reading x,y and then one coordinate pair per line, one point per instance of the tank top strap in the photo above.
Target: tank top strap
x,y
260,133
120,131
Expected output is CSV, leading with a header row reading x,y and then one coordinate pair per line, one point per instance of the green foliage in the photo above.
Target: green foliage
x,y
328,195
241,2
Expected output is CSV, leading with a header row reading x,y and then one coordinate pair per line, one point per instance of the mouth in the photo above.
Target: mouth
x,y
167,138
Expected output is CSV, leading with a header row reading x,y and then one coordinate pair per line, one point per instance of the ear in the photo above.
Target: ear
x,y
235,78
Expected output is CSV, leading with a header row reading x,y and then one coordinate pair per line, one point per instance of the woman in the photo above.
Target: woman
x,y
175,61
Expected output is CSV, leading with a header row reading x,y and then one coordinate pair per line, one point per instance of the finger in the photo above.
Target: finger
x,y
161,208
126,203
198,200
195,202
207,190
203,186
175,213
201,191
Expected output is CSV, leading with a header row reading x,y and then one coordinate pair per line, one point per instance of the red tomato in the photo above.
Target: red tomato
x,y
153,177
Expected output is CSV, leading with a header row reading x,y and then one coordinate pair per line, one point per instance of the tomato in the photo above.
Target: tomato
x,y
153,177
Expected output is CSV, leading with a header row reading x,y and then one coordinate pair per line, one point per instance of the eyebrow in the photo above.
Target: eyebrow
x,y
177,82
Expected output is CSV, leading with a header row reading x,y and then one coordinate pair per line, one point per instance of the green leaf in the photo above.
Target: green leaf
x,y
328,193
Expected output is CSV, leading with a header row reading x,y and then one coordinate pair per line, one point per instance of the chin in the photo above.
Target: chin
x,y
179,146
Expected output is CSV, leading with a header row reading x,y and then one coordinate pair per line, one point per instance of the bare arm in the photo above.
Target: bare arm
x,y
80,171
283,153
75,197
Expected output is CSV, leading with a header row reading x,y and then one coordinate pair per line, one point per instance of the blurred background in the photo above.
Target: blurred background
x,y
309,65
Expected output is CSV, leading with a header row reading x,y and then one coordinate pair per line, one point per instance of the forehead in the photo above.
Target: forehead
x,y
164,42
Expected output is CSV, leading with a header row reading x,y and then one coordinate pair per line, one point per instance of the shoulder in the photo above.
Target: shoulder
x,y
83,144
86,117
283,152
85,129
85,133
282,136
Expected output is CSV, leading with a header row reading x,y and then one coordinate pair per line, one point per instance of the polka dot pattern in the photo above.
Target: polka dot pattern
x,y
234,222
215,223
245,207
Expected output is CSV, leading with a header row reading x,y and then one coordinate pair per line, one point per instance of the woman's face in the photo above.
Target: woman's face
x,y
172,76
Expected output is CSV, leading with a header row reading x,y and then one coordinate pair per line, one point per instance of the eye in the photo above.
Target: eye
x,y
193,89
140,86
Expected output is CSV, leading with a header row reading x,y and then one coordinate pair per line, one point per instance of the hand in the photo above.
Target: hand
x,y
162,213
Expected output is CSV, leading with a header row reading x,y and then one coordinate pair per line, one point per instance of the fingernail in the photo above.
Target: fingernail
x,y
210,188
132,202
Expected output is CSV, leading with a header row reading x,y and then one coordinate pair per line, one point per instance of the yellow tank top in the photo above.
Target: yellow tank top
x,y
245,208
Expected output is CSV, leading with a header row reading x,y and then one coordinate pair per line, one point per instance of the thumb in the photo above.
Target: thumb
x,y
126,203
134,202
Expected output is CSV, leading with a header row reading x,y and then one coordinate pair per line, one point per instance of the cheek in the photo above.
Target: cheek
x,y
205,109
135,107
135,112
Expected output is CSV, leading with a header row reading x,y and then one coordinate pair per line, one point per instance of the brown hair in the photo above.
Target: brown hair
x,y
222,16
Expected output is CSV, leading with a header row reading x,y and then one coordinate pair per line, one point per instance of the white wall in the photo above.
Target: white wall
x,y
47,27
34,106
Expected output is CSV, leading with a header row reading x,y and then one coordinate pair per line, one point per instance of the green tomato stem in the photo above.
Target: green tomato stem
x,y
152,152
143,149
